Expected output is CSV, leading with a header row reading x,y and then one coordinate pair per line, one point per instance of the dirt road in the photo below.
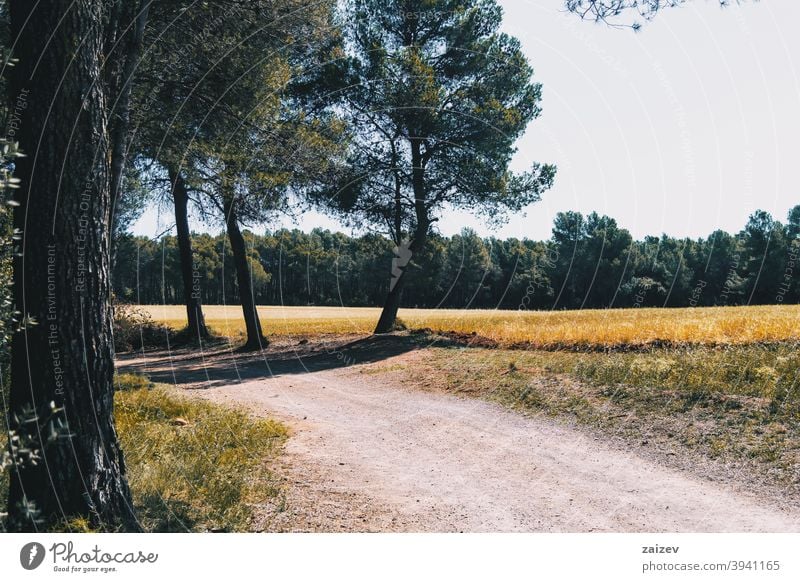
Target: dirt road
x,y
369,456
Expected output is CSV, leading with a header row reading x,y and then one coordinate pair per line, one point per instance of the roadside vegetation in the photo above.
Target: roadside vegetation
x,y
192,465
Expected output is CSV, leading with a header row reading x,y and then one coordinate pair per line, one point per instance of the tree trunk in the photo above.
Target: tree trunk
x,y
386,322
191,290
405,249
61,277
255,337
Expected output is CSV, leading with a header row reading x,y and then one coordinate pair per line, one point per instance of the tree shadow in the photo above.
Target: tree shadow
x,y
198,368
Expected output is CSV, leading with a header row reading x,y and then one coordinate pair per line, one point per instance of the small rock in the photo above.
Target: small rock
x,y
178,421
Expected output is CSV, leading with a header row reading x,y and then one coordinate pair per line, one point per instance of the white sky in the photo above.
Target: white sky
x,y
686,126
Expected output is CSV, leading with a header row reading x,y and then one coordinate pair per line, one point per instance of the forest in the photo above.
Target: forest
x,y
589,262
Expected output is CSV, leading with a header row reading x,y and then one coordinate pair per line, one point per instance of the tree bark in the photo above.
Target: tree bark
x,y
404,251
61,276
196,325
386,322
255,337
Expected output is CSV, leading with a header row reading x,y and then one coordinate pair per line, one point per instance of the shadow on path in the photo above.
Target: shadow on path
x,y
199,368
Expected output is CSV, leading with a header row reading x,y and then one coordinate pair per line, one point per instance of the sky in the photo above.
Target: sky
x,y
684,127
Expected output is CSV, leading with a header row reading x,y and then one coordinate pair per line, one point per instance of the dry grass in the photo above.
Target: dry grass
x,y
702,325
192,465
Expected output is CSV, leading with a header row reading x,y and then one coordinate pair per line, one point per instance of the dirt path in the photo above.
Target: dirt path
x,y
367,456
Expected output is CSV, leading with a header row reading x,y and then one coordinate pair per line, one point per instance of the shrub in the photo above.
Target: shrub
x,y
134,329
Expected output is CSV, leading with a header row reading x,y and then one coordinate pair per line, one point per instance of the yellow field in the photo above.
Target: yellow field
x,y
606,327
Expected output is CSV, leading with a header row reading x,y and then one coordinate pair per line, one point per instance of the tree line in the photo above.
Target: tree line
x,y
589,262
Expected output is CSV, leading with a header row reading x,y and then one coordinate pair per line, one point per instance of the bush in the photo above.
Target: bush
x,y
134,329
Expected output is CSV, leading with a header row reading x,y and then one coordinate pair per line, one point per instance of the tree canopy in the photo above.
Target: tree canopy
x,y
437,98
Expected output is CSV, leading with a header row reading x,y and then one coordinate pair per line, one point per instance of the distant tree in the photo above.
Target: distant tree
x,y
793,224
605,259
567,236
439,96
723,269
589,261
790,276
466,269
674,256
765,251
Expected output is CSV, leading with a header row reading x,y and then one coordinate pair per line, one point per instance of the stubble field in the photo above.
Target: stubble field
x,y
605,327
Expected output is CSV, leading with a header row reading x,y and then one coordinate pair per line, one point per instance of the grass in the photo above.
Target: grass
x,y
546,329
739,404
127,382
192,465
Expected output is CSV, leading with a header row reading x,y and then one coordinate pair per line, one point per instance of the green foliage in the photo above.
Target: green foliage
x,y
26,437
226,109
437,98
589,262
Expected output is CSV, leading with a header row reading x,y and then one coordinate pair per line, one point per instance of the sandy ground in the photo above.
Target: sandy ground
x,y
366,455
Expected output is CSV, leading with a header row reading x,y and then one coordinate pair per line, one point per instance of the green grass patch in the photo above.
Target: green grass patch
x,y
770,372
125,382
192,465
